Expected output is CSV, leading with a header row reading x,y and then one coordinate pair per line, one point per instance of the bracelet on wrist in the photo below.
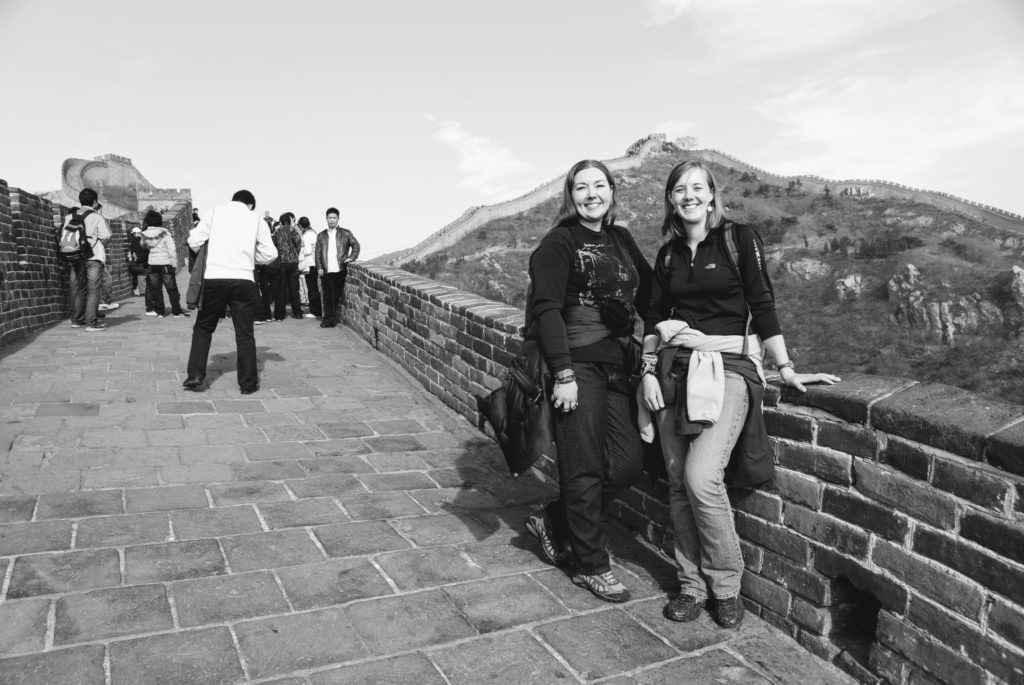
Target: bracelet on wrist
x,y
565,380
785,365
648,364
565,376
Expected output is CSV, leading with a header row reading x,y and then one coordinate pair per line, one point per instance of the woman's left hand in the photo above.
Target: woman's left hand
x,y
799,380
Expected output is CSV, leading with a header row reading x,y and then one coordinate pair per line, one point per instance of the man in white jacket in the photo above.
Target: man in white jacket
x,y
237,239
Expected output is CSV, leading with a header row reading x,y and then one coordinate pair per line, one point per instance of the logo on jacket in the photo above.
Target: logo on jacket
x,y
711,266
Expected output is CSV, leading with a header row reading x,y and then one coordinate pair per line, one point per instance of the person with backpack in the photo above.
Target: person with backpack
x,y
82,247
586,276
163,261
711,317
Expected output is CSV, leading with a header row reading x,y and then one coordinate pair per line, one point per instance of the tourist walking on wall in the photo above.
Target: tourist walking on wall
x,y
586,277
163,265
336,248
307,268
86,273
288,242
712,314
236,239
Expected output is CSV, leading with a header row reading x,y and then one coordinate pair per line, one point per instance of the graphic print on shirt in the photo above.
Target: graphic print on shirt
x,y
607,273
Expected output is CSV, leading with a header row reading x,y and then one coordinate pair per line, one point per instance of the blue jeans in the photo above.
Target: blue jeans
x,y
599,455
707,548
163,276
85,279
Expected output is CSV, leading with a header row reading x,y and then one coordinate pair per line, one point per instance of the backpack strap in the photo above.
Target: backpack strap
x,y
732,251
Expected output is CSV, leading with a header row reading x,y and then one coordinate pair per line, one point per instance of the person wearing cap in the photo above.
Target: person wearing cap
x,y
86,277
236,239
336,248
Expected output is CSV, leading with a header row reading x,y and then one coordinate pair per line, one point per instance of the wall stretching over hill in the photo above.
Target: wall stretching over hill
x,y
33,281
891,540
475,217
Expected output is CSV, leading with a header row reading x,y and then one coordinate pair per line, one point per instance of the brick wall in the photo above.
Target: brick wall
x,y
891,540
33,282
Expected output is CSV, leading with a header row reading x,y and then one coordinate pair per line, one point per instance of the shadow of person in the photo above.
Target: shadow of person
x,y
227,363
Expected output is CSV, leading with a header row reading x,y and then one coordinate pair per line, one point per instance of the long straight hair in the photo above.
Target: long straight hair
x,y
567,213
672,225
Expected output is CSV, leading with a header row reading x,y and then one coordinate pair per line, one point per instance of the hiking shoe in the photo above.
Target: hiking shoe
x,y
96,327
152,314
536,525
727,612
683,608
603,586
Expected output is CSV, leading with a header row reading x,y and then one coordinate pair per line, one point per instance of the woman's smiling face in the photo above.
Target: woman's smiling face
x,y
591,196
691,197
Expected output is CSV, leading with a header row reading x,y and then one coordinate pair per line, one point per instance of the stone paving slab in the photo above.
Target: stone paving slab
x,y
338,526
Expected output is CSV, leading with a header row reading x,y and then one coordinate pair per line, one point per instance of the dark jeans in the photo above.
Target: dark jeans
x,y
242,297
288,292
163,274
313,293
269,282
333,287
599,455
85,278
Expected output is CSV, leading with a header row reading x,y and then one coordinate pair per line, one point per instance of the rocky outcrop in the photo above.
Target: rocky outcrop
x,y
849,287
943,314
807,268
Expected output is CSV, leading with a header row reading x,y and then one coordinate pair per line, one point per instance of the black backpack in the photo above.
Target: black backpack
x,y
73,246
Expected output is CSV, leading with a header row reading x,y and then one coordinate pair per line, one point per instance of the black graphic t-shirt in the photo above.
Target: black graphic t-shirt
x,y
574,265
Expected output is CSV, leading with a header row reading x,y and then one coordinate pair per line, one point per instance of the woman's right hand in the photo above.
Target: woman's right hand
x,y
565,397
653,399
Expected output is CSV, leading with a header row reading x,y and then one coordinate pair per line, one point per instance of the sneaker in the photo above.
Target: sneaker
x,y
683,608
602,585
182,315
260,323
536,525
108,307
307,315
151,313
96,327
727,612
75,324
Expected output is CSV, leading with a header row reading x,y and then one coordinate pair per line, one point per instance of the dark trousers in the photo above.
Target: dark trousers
x,y
599,455
269,282
84,279
163,276
313,292
333,286
288,291
242,297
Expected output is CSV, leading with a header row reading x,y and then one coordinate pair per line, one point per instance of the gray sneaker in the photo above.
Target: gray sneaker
x,y
603,586
94,328
536,524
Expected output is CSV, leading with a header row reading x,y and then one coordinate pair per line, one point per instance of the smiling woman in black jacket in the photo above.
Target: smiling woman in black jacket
x,y
585,277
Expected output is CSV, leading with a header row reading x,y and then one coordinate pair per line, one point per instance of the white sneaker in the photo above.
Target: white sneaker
x,y
109,307
152,314
307,315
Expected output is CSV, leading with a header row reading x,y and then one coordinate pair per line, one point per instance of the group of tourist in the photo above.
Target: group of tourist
x,y
708,315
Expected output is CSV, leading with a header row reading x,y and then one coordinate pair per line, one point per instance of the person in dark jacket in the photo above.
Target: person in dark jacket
x,y
336,248
710,364
586,275
288,242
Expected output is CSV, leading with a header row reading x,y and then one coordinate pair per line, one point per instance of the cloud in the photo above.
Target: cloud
x,y
894,126
490,169
661,12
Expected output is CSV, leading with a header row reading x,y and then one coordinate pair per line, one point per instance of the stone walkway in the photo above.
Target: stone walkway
x,y
338,526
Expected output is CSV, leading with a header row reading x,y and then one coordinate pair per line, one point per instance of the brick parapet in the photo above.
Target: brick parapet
x,y
908,492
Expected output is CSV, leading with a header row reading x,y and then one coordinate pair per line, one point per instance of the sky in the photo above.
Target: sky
x,y
405,113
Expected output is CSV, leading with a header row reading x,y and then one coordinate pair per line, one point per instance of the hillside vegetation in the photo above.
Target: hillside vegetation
x,y
881,286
